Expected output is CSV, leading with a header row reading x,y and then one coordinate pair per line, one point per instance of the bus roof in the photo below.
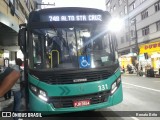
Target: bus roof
x,y
57,9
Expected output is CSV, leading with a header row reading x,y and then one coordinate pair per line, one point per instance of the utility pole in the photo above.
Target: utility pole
x,y
136,39
136,45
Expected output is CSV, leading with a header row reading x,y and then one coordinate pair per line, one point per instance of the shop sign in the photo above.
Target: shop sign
x,y
151,47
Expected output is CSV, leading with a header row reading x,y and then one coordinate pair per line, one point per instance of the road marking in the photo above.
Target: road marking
x,y
156,81
127,86
134,118
142,87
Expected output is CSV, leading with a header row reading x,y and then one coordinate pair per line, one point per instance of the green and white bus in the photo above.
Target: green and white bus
x,y
71,60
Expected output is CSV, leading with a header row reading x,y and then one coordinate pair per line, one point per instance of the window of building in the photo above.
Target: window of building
x,y
157,6
133,21
120,2
133,28
132,6
22,9
122,39
144,14
17,4
142,1
114,7
31,8
28,4
127,37
158,25
133,33
12,1
108,4
145,31
111,9
125,9
121,13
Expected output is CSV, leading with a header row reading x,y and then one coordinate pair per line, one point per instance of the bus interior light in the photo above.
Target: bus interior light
x,y
86,34
71,29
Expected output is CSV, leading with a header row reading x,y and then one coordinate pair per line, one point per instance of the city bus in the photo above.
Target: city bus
x,y
71,60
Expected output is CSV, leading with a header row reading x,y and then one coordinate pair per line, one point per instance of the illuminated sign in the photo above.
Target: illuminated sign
x,y
151,47
91,17
85,61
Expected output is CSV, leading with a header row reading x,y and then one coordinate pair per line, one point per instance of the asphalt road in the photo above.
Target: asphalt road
x,y
141,95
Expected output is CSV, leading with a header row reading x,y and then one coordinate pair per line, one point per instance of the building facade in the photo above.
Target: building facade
x,y
12,13
141,32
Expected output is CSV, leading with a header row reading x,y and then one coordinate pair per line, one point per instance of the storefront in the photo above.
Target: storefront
x,y
149,56
130,59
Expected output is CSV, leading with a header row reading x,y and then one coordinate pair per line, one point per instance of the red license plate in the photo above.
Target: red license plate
x,y
80,103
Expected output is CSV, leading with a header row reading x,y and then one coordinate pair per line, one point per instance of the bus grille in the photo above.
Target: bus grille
x,y
69,78
65,102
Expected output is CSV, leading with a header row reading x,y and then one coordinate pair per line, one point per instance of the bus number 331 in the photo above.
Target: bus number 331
x,y
102,87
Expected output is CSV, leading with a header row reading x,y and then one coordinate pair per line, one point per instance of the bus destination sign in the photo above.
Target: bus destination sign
x,y
91,17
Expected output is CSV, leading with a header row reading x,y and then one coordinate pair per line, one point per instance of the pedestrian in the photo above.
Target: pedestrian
x,y
141,71
123,69
16,89
7,79
7,95
137,68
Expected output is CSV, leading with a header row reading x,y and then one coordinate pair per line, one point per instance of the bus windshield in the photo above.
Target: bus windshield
x,y
71,48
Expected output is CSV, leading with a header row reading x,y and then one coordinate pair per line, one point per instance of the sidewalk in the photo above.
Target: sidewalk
x,y
135,74
130,74
5,103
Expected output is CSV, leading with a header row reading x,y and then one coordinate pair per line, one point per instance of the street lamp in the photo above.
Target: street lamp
x,y
115,24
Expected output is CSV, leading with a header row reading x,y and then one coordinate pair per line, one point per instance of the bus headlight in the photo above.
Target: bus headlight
x,y
38,92
41,92
43,98
42,95
115,85
118,80
33,88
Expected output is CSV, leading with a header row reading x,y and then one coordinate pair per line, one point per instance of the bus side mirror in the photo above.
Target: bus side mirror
x,y
22,39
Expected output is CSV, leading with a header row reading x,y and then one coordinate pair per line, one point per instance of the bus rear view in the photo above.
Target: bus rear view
x,y
72,60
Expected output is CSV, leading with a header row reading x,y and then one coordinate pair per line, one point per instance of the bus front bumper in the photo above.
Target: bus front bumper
x,y
48,108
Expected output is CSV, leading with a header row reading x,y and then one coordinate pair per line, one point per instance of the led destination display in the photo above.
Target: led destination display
x,y
90,17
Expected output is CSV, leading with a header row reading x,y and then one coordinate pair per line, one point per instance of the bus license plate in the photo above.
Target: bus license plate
x,y
81,103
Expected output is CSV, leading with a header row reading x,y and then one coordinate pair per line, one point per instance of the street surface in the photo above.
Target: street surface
x,y
140,94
